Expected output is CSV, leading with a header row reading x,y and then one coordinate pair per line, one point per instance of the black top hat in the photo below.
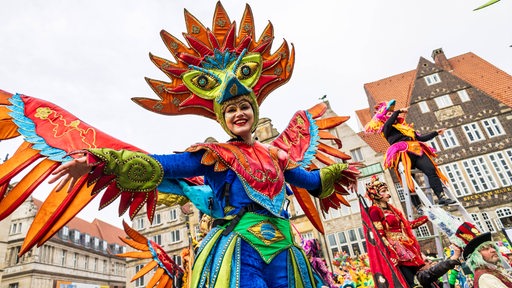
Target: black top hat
x,y
474,243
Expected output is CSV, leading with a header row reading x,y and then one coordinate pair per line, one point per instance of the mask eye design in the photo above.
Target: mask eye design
x,y
204,81
246,70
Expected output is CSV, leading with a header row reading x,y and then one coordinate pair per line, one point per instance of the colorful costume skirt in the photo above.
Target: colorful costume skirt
x,y
259,252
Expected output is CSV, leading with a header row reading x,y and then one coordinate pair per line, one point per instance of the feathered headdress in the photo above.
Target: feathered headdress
x,y
217,65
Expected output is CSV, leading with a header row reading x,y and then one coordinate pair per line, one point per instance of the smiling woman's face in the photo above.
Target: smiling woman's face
x,y
239,118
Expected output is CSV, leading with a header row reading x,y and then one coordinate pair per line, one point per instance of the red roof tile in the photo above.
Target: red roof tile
x,y
97,228
375,141
396,87
468,67
484,76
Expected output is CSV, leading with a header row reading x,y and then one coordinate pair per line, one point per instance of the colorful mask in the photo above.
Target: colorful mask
x,y
218,66
372,188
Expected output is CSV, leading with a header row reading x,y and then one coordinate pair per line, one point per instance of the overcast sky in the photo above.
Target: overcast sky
x,y
90,57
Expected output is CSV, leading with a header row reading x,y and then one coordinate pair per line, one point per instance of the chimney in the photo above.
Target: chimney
x,y
440,59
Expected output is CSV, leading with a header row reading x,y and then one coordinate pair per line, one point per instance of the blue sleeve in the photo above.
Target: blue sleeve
x,y
182,165
300,177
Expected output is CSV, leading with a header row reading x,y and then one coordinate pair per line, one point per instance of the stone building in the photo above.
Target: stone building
x,y
81,254
472,99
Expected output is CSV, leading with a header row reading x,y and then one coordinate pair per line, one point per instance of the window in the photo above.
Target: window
x,y
13,285
175,236
139,223
423,107
351,242
16,228
95,267
400,191
443,101
65,232
479,174
157,220
463,95
432,79
86,263
297,207
139,282
87,240
173,214
433,143
96,243
453,172
177,259
493,127
502,168
473,132
63,257
448,139
356,154
505,217
13,255
105,266
307,235
75,260
76,236
157,239
477,221
488,222
422,231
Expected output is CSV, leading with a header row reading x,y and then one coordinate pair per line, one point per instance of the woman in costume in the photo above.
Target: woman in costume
x,y
242,183
395,231
408,147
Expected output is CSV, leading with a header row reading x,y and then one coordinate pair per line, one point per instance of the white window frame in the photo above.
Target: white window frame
x,y
488,222
357,155
157,239
453,172
502,168
307,235
473,132
443,101
423,231
448,139
139,282
139,223
173,214
476,220
503,212
157,219
423,106
432,79
479,174
492,127
463,95
175,236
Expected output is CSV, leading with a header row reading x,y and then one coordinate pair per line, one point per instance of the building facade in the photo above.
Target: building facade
x,y
80,254
472,99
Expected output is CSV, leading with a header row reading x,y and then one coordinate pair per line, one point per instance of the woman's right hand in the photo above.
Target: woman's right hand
x,y
71,170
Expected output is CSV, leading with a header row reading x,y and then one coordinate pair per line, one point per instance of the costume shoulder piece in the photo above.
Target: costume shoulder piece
x,y
256,165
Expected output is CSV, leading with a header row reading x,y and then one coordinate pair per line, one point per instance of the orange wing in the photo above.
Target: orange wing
x,y
50,134
302,141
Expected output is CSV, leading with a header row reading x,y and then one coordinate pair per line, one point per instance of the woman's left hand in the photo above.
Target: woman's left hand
x,y
71,170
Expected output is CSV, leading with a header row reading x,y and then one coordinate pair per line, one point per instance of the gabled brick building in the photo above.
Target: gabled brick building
x,y
472,99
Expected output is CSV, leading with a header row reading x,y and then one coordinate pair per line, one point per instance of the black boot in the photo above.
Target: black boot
x,y
444,200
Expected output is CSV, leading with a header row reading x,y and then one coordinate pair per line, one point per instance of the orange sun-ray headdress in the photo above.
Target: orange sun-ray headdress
x,y
198,79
